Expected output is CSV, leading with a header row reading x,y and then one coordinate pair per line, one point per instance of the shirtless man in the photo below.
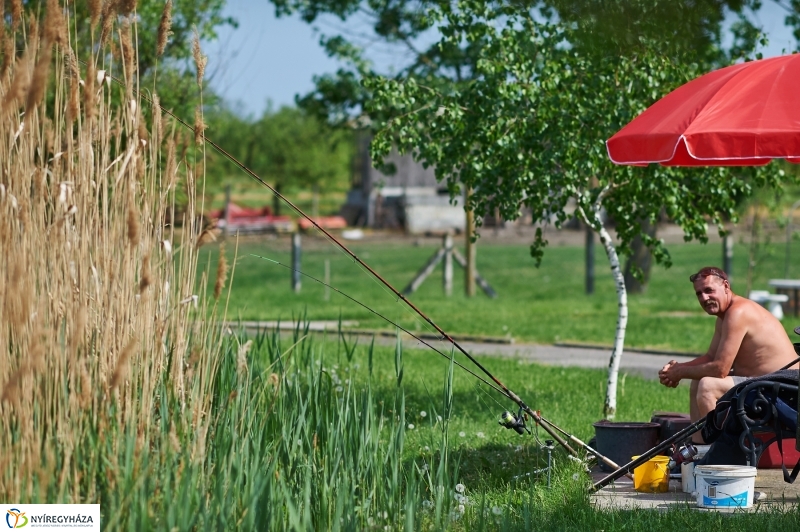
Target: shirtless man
x,y
748,339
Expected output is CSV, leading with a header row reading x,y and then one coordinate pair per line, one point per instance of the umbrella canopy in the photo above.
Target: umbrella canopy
x,y
741,115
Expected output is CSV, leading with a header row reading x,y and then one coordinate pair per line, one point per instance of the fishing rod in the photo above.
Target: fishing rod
x,y
508,420
400,327
523,407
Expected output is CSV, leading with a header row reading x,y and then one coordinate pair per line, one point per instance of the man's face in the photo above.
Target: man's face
x,y
712,294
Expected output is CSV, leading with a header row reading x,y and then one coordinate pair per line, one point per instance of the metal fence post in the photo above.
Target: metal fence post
x,y
447,275
589,259
296,262
727,256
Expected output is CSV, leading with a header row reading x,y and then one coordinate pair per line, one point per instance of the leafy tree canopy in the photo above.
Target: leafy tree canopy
x,y
288,148
528,128
602,27
94,21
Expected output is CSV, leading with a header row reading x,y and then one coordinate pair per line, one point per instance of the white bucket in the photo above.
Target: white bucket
x,y
687,477
725,486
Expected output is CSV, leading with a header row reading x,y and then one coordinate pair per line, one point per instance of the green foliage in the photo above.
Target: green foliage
x,y
175,70
288,148
528,128
407,26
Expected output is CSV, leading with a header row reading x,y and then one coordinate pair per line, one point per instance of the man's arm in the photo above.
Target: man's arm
x,y
728,335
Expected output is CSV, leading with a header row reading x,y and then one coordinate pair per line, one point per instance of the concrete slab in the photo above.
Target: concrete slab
x,y
770,491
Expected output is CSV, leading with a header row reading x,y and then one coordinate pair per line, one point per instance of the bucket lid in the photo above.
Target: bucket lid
x,y
725,471
658,459
626,424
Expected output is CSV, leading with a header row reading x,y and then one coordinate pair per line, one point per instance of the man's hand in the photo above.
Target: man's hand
x,y
667,374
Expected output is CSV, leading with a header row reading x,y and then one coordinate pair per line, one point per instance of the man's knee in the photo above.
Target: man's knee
x,y
712,387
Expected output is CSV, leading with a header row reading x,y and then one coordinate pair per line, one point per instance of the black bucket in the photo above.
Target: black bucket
x,y
671,423
619,441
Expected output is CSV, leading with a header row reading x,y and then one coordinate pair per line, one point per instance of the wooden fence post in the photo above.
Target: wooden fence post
x,y
469,269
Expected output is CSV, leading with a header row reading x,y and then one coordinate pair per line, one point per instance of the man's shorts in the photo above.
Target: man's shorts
x,y
739,379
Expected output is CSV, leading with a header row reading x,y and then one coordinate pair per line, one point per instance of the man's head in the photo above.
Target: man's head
x,y
713,289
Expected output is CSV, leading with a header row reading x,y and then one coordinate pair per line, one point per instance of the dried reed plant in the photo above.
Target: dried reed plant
x,y
164,28
222,272
200,60
94,332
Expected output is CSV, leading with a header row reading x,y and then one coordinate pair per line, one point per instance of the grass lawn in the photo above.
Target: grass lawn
x,y
352,445
544,305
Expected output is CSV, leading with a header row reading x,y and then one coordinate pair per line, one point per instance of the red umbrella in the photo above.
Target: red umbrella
x,y
741,115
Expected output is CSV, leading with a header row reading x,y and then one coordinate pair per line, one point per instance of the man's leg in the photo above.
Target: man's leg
x,y
703,396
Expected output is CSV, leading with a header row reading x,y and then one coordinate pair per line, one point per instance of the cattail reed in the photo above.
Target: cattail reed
x,y
133,222
241,356
164,28
199,125
121,369
16,14
73,101
222,272
126,7
8,53
145,280
84,212
157,130
89,92
73,69
22,75
108,13
55,24
39,80
128,52
95,11
142,134
200,60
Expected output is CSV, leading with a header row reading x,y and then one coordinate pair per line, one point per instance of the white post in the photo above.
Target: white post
x,y
447,274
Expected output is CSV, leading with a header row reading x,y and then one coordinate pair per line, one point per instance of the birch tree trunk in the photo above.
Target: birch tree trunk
x,y
610,406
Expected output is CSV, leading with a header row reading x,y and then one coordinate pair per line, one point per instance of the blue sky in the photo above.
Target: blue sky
x,y
269,59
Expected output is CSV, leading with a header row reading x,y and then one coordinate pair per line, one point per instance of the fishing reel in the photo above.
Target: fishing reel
x,y
516,422
686,453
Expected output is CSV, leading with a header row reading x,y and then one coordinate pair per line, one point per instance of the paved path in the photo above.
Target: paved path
x,y
634,362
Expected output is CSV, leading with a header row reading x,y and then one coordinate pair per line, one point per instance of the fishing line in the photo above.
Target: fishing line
x,y
354,300
505,390
423,342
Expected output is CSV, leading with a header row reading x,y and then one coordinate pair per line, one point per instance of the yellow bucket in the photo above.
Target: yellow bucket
x,y
652,476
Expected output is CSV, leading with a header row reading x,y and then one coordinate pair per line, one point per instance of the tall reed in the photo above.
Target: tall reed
x,y
97,292
111,391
